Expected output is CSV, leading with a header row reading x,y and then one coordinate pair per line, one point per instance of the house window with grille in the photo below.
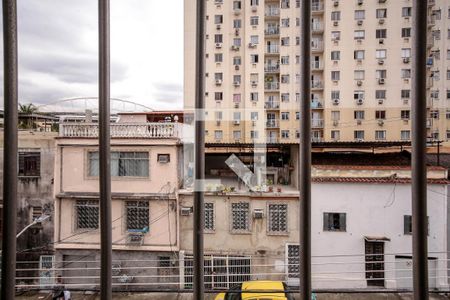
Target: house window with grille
x,y
334,222
137,215
209,216
36,212
293,260
278,218
87,214
123,164
240,213
29,163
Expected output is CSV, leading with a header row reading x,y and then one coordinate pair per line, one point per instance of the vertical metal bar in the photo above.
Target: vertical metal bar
x,y
199,156
10,152
305,151
105,150
419,139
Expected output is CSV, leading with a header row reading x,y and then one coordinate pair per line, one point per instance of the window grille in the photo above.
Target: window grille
x,y
122,164
278,218
87,214
29,163
292,260
209,216
241,216
137,215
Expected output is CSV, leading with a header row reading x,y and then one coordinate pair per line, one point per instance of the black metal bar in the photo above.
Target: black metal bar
x,y
304,177
105,150
199,156
10,152
419,140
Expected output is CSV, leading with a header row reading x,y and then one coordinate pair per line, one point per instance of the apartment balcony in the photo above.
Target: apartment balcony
x,y
316,104
272,68
272,86
272,49
316,85
272,124
122,130
272,105
316,139
316,66
272,140
272,12
431,2
316,123
317,27
316,46
317,7
272,31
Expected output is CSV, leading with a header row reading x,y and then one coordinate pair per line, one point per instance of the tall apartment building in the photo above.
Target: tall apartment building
x,y
360,61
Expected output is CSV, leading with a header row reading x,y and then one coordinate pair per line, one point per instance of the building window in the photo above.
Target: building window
x,y
36,212
334,222
335,75
297,115
285,22
406,11
237,23
236,60
123,164
285,41
447,114
218,57
381,74
29,163
284,115
357,95
381,13
284,60
448,54
293,260
240,213
285,134
335,115
380,94
237,42
360,14
285,78
254,39
137,215
448,94
359,74
254,21
404,114
435,94
254,115
335,16
218,38
405,94
278,218
407,224
285,97
335,35
406,32
359,34
218,76
358,54
381,33
253,134
254,97
335,135
218,96
380,114
405,135
218,134
358,114
236,135
406,73
358,135
209,216
254,58
406,52
218,19
87,214
380,53
380,135
434,114
254,2
335,55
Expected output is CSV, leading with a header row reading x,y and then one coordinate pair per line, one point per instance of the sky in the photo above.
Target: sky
x,y
58,51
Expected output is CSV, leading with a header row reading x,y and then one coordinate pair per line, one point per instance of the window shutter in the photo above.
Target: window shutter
x,y
406,225
325,221
343,222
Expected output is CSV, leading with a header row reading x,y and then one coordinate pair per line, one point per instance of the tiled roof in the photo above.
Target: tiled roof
x,y
374,180
371,167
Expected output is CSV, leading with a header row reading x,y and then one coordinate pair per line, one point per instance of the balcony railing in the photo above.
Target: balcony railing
x,y
317,7
316,84
316,65
121,130
272,104
272,86
273,49
272,12
316,104
272,140
272,68
317,123
272,124
272,31
317,27
317,45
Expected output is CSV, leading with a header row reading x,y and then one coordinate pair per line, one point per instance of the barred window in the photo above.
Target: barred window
x,y
209,216
123,164
137,215
29,163
293,260
87,214
278,217
241,216
334,222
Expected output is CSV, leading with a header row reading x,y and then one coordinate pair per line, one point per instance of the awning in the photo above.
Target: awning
x,y
377,239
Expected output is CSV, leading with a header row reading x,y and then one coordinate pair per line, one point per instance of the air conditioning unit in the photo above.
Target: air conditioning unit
x,y
236,67
335,101
380,61
381,21
381,1
381,41
163,158
218,26
237,11
217,123
336,3
359,61
254,83
405,101
380,122
253,123
218,81
135,238
236,32
335,23
235,48
236,83
381,80
405,121
335,123
406,39
359,82
218,45
236,105
360,2
254,8
406,60
360,22
236,122
358,122
406,80
360,101
251,45
185,211
258,213
359,140
380,101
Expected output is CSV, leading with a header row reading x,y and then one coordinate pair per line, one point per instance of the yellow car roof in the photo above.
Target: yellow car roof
x,y
263,285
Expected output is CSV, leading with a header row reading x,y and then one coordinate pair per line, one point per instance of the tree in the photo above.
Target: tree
x,y
27,110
